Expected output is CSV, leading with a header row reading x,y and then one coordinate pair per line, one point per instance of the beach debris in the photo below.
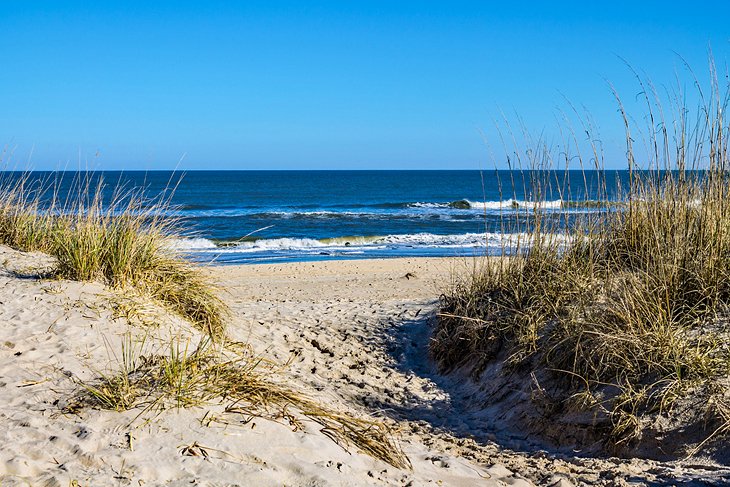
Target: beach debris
x,y
194,450
322,348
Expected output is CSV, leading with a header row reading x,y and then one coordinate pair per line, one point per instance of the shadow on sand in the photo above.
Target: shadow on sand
x,y
455,404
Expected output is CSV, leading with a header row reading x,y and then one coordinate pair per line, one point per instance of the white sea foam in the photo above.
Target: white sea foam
x,y
265,250
433,240
511,203
279,244
429,205
444,210
354,244
190,244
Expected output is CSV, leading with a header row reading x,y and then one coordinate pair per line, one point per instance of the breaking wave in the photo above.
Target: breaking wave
x,y
417,209
428,240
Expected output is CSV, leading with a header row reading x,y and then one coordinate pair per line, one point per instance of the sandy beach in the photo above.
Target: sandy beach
x,y
408,244
353,336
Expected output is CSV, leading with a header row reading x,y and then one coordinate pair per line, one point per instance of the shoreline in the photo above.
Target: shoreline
x,y
235,257
328,258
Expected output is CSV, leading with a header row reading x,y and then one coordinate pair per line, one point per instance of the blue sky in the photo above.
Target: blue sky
x,y
323,85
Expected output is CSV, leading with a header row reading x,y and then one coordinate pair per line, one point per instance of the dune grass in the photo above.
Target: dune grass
x,y
123,242
244,383
627,307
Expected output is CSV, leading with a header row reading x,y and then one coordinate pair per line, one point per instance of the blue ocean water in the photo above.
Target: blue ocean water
x,y
274,216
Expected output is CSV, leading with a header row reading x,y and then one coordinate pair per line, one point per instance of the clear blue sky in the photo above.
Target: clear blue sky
x,y
322,85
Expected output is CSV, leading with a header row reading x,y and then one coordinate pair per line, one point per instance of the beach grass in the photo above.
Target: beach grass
x,y
124,242
626,308
246,384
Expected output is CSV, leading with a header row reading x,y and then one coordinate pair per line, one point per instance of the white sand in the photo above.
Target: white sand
x,y
355,334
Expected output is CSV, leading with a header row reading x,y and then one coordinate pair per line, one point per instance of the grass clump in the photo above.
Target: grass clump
x,y
242,382
626,308
123,241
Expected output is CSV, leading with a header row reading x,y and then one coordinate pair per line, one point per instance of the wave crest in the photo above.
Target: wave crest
x,y
187,244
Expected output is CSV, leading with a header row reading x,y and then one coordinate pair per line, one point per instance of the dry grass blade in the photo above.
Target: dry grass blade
x,y
371,437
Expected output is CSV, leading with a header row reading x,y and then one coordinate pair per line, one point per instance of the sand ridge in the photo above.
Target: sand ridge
x,y
354,335
57,333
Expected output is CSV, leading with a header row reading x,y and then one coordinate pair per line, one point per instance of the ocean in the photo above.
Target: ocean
x,y
242,217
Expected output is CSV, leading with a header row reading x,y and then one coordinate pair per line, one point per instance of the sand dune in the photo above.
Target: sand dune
x,y
354,335
57,333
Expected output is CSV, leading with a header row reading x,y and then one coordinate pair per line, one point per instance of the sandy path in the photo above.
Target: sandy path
x,y
355,334
57,333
